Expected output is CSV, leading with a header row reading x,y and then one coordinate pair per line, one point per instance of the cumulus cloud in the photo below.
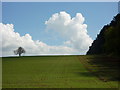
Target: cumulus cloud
x,y
11,40
72,29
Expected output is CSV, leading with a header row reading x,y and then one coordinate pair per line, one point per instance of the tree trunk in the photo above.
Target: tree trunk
x,y
19,54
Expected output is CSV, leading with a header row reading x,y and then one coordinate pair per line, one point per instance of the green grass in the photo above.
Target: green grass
x,y
49,72
104,67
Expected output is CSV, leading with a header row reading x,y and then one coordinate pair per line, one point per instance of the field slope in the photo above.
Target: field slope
x,y
49,72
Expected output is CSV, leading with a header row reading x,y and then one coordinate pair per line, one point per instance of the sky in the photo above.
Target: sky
x,y
53,27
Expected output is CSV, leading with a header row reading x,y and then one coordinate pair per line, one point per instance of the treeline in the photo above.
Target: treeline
x,y
108,40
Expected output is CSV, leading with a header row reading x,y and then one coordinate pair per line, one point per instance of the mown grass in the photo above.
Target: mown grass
x,y
106,68
50,72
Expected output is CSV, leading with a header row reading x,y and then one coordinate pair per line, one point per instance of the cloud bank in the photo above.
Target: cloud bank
x,y
11,40
71,29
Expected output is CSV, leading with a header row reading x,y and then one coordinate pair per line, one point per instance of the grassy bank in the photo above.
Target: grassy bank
x,y
50,72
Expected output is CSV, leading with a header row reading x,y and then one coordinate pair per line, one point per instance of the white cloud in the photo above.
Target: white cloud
x,y
71,29
12,40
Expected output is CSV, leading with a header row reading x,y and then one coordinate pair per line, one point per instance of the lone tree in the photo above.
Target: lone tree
x,y
19,51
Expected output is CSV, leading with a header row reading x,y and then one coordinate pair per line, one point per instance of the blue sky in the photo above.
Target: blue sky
x,y
29,18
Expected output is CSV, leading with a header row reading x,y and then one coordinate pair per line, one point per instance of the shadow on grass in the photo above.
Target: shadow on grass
x,y
106,68
85,74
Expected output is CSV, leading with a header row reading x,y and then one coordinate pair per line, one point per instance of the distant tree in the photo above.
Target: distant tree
x,y
19,51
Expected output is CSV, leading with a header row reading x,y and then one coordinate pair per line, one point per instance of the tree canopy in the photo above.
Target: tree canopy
x,y
108,40
19,51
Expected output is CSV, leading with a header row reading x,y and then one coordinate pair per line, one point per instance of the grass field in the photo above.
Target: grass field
x,y
50,72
